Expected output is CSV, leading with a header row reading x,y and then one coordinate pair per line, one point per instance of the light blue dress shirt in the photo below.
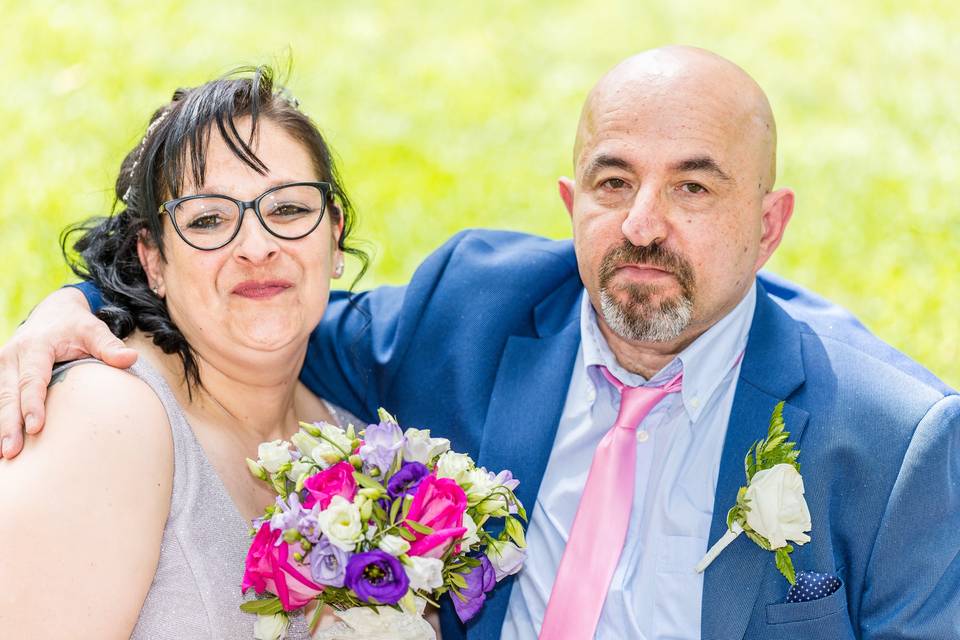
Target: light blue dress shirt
x,y
655,593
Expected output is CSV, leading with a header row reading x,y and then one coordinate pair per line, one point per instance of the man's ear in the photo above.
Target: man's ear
x,y
777,210
566,187
150,260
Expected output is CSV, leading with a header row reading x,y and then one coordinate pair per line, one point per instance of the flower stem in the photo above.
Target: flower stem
x,y
719,546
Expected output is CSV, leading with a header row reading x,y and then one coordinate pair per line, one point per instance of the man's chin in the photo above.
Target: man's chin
x,y
646,318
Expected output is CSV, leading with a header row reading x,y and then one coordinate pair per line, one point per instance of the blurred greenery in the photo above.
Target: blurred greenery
x,y
449,115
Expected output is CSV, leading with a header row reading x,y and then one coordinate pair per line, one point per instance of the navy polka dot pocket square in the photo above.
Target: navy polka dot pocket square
x,y
812,586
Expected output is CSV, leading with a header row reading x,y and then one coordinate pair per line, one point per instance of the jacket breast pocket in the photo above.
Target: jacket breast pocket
x,y
823,619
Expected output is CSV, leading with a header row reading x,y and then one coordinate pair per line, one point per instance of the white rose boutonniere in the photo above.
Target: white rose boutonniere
x,y
771,509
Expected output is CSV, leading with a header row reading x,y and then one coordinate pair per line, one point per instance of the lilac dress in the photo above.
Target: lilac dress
x,y
196,589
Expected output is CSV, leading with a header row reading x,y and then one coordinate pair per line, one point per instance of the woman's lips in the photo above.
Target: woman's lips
x,y
259,290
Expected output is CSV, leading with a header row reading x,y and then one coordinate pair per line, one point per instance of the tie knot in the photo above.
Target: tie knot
x,y
637,402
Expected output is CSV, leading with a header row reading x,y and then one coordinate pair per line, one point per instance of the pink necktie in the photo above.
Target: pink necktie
x,y
600,526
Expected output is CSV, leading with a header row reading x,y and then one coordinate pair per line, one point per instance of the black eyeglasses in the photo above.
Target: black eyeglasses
x,y
288,211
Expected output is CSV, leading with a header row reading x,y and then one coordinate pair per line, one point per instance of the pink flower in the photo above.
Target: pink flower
x,y
439,504
336,481
271,567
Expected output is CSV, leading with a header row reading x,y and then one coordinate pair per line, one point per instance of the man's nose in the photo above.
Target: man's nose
x,y
646,221
254,243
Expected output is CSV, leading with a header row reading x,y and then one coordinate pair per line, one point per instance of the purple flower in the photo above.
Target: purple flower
x,y
328,563
480,581
406,480
506,479
309,525
377,577
380,445
288,517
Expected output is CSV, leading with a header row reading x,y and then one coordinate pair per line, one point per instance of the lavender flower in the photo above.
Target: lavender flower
x,y
377,577
309,525
381,442
406,480
506,479
288,517
480,581
328,563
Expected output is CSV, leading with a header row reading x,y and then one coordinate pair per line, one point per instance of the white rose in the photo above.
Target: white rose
x,y
778,511
299,468
506,558
394,545
453,465
270,627
333,447
341,523
420,447
272,455
482,482
470,538
424,573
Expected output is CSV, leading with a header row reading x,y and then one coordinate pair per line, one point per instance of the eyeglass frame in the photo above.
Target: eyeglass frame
x,y
170,206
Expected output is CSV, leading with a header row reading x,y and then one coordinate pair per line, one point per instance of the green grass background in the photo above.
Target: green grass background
x,y
452,115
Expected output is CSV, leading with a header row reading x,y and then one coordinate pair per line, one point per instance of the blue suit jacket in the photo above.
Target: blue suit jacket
x,y
480,346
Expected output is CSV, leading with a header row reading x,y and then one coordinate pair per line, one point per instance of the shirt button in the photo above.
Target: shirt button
x,y
695,403
642,435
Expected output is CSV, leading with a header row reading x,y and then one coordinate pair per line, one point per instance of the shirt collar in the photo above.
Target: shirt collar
x,y
705,362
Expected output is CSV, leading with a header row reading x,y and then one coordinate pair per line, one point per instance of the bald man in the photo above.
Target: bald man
x,y
624,376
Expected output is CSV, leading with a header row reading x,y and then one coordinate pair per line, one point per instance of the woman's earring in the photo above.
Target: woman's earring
x,y
338,270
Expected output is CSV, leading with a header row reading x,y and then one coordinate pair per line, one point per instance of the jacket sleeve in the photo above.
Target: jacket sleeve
x,y
913,577
91,293
358,345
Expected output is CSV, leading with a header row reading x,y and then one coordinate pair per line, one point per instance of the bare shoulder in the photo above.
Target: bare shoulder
x,y
98,477
111,406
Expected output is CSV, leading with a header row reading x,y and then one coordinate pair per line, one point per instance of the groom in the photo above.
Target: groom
x,y
525,352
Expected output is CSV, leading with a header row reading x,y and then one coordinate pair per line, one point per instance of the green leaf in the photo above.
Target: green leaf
x,y
406,534
785,564
366,481
760,541
264,606
458,580
395,509
419,528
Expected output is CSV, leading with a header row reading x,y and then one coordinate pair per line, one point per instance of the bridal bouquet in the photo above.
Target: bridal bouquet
x,y
376,524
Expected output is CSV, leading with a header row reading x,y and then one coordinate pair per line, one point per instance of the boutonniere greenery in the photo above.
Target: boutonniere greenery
x,y
771,508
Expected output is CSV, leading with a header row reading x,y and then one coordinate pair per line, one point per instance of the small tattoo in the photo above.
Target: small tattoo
x,y
58,377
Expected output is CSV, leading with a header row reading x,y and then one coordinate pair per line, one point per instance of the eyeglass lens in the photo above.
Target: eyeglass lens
x,y
289,212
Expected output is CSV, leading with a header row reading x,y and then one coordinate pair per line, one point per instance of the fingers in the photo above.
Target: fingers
x,y
35,365
101,343
11,437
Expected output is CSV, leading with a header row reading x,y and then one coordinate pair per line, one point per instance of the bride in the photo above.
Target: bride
x,y
132,517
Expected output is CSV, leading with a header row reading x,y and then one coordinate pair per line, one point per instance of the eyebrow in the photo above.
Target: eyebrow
x,y
604,161
701,163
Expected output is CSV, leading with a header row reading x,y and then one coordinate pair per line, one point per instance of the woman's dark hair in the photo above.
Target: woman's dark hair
x,y
155,170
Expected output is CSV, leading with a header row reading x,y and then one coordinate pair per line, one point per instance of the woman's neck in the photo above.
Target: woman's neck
x,y
257,402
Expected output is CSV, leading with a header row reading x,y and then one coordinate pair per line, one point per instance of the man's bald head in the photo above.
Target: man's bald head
x,y
671,82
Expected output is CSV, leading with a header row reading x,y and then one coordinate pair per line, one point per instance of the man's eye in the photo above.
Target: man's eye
x,y
613,183
693,187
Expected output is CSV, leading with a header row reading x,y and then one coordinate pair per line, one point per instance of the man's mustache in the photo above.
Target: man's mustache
x,y
654,255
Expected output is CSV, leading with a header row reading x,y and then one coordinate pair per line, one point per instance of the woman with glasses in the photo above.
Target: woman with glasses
x,y
215,268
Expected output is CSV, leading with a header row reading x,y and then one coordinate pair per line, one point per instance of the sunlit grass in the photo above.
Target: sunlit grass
x,y
448,115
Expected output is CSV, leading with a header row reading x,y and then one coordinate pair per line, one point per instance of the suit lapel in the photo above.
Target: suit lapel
x,y
772,370
523,414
